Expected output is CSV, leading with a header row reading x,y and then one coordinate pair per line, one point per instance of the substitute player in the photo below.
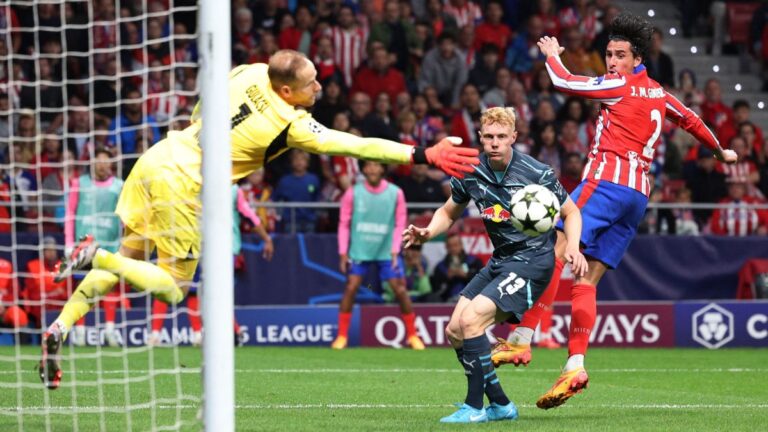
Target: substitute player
x,y
160,203
90,209
519,270
614,190
371,222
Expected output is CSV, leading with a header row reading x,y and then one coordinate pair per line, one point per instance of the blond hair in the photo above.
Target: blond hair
x,y
504,116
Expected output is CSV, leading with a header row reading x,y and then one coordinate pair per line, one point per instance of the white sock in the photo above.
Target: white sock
x,y
574,361
62,328
109,326
521,336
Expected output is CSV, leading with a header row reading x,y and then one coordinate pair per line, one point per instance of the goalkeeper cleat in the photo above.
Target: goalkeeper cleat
x,y
80,258
568,385
505,352
416,343
548,343
466,414
49,367
339,343
498,412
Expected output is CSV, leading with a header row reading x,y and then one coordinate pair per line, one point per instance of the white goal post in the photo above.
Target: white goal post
x,y
217,277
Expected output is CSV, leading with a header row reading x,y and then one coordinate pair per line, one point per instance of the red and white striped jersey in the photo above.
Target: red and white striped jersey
x,y
739,220
632,114
467,14
349,50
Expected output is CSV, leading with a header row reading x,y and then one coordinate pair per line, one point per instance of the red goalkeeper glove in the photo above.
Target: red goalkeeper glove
x,y
449,158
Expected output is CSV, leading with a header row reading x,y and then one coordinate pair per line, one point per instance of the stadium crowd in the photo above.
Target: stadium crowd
x,y
83,76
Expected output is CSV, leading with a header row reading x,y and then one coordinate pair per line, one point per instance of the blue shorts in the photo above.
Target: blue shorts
x,y
386,272
610,215
514,284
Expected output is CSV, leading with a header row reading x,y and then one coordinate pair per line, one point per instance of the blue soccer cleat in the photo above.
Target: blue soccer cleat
x,y
498,412
466,414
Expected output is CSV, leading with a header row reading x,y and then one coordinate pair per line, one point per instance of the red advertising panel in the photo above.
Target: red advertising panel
x,y
617,325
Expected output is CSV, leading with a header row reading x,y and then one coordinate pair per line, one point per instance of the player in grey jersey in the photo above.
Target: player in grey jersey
x,y
519,270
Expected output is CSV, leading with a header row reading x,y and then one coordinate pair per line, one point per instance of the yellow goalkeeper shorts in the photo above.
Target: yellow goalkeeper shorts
x,y
162,204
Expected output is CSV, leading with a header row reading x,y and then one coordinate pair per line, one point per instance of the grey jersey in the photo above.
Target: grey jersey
x,y
493,200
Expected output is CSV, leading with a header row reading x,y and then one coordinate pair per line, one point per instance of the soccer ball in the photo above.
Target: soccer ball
x,y
535,210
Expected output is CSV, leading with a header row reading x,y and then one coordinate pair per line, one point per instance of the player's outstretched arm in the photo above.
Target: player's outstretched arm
x,y
572,227
443,218
307,134
606,88
682,116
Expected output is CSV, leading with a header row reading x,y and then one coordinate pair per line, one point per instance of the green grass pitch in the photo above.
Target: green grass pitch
x,y
316,389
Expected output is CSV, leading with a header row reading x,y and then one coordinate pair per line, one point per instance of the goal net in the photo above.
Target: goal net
x,y
86,86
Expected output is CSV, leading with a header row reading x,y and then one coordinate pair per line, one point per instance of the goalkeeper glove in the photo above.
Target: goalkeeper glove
x,y
449,158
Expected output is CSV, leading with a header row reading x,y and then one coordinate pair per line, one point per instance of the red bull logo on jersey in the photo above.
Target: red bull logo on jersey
x,y
495,213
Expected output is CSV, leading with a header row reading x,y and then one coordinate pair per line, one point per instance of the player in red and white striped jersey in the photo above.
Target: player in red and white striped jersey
x,y
614,190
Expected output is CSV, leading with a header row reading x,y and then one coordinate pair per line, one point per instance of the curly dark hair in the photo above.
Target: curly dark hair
x,y
633,29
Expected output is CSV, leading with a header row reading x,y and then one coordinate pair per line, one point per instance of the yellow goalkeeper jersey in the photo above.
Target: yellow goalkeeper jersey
x,y
263,126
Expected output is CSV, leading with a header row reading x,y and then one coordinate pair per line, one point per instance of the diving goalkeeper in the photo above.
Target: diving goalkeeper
x,y
160,204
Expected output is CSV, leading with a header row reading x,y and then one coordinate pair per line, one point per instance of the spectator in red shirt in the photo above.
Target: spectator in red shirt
x,y
39,287
439,20
379,77
713,111
739,220
573,165
745,168
465,124
547,12
492,30
298,37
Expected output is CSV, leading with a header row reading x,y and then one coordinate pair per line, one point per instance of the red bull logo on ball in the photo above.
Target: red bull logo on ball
x,y
495,213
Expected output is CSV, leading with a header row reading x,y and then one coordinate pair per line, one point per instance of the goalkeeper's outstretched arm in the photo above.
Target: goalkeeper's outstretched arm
x,y
309,135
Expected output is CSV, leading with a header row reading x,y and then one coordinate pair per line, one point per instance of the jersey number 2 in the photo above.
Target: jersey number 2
x,y
648,149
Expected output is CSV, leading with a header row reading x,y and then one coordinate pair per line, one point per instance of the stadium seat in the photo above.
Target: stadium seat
x,y
739,20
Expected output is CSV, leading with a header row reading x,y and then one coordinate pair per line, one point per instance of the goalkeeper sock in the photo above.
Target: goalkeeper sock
x,y
344,318
410,324
193,304
142,275
477,350
96,283
535,314
583,314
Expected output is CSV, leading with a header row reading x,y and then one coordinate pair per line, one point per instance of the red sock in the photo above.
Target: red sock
x,y
410,324
344,318
193,304
546,323
544,304
159,309
236,326
583,315
110,308
80,322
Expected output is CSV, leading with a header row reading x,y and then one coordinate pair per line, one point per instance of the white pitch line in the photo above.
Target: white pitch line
x,y
399,370
39,410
